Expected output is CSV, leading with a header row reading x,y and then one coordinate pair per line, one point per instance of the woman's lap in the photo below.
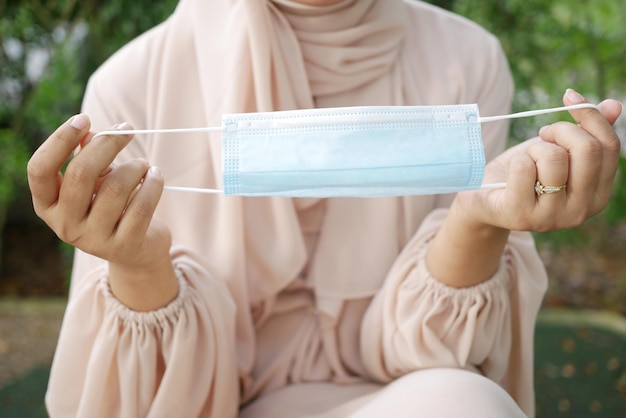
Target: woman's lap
x,y
425,393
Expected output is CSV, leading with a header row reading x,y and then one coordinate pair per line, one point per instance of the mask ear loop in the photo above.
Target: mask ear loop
x,y
527,114
169,131
159,131
538,112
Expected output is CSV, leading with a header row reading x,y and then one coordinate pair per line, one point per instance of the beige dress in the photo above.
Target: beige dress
x,y
313,304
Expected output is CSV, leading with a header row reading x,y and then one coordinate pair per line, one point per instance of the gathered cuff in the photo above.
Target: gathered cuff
x,y
420,322
498,281
426,281
158,317
125,363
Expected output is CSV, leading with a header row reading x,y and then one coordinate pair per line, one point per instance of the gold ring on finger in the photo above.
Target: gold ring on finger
x,y
541,189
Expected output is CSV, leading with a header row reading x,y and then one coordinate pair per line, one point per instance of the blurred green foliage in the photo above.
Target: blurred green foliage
x,y
12,163
47,52
553,46
49,49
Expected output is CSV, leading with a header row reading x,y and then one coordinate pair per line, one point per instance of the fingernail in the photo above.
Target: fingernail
x,y
154,170
79,122
573,96
122,126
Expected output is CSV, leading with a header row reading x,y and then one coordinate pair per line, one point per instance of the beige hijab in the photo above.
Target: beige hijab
x,y
284,55
277,55
224,56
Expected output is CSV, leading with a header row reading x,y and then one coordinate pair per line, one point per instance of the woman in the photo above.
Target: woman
x,y
218,306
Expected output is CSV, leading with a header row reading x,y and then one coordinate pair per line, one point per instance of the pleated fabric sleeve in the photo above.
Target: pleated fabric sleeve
x,y
115,362
417,322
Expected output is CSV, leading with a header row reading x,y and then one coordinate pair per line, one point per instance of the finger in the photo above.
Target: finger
x,y
44,177
552,162
593,121
590,171
90,136
138,215
610,142
611,110
102,176
82,173
520,192
113,196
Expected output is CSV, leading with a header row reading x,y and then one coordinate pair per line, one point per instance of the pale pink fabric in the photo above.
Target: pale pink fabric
x,y
277,294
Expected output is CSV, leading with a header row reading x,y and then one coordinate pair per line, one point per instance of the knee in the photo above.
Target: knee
x,y
445,393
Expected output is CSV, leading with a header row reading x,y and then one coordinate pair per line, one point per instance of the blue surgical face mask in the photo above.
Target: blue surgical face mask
x,y
352,151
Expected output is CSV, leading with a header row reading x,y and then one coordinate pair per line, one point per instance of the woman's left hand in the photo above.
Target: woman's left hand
x,y
583,157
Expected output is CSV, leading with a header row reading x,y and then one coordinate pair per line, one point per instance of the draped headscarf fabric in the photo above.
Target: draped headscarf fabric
x,y
279,55
226,56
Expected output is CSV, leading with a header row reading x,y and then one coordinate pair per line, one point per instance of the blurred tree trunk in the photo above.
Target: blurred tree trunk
x,y
3,218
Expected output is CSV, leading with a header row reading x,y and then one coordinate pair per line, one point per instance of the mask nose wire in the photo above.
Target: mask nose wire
x,y
527,114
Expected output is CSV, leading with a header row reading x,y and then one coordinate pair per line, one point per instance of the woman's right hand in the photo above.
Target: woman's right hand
x,y
106,210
